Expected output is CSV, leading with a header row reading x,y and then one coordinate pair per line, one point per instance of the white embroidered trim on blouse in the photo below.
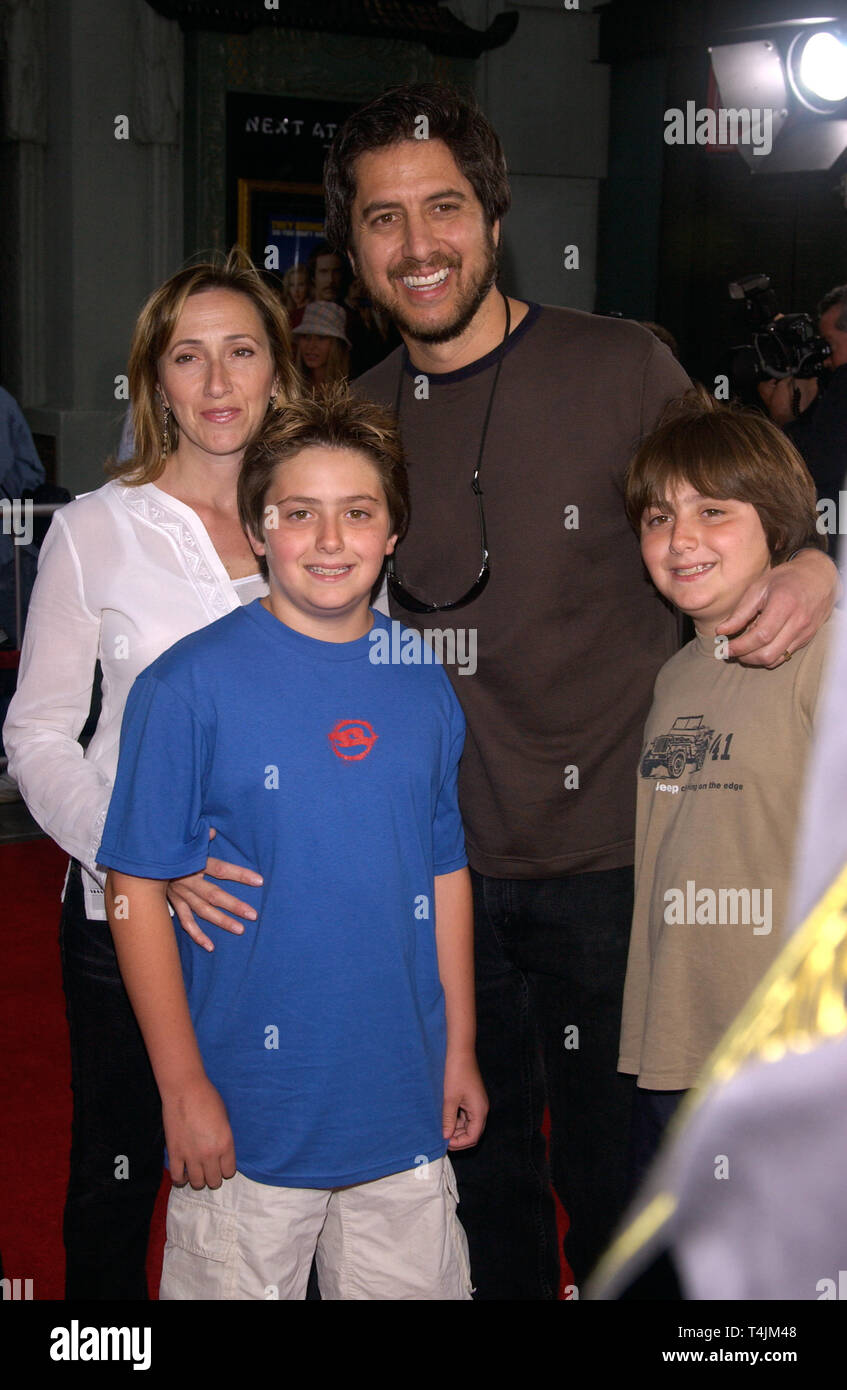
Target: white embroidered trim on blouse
x,y
205,582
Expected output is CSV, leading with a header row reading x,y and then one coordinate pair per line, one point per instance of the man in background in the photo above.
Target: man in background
x,y
815,420
327,274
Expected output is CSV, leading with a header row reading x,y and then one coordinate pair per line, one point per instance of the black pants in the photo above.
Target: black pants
x,y
550,965
652,1112
117,1143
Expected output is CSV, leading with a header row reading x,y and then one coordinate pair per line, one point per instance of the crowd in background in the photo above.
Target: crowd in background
x,y
338,332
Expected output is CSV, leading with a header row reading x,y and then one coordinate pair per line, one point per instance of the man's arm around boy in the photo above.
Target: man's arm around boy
x,y
199,1140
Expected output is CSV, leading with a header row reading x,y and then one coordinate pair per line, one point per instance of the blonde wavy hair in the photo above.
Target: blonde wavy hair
x,y
154,330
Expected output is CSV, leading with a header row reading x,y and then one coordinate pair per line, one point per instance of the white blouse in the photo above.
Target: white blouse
x,y
124,572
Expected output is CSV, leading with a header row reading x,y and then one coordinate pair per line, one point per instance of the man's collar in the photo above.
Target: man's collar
x,y
480,364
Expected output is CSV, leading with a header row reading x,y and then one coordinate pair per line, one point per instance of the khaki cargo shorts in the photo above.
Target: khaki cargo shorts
x,y
394,1238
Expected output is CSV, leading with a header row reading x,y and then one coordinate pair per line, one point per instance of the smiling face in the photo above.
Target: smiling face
x,y
420,242
217,374
325,539
703,553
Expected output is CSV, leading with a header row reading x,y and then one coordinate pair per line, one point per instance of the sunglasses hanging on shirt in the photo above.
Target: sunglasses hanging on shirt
x,y
397,589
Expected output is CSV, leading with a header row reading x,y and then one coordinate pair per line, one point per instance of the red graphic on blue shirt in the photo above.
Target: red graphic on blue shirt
x,y
352,739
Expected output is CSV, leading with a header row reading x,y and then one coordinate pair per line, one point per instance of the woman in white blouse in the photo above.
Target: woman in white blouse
x,y
124,573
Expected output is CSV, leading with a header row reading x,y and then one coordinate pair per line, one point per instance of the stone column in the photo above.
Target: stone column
x,y
547,97
23,130
93,129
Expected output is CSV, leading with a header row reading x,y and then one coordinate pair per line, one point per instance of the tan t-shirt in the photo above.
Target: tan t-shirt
x,y
719,789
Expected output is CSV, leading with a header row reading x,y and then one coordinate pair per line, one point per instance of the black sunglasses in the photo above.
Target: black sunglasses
x,y
407,599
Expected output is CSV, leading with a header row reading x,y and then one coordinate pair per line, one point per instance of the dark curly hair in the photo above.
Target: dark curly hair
x,y
450,115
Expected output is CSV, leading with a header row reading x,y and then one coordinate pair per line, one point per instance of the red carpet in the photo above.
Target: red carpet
x,y
36,1078
36,1075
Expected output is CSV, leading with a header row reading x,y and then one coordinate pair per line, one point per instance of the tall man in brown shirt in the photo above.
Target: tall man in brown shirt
x,y
537,410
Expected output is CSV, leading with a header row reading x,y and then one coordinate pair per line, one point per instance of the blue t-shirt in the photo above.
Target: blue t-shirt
x,y
334,775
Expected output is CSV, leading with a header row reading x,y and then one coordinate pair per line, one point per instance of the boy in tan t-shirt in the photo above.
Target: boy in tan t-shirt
x,y
718,496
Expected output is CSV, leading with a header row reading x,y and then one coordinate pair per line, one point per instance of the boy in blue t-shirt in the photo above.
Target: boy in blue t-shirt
x,y
315,1070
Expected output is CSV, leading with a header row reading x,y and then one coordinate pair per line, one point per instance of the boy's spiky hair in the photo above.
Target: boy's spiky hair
x,y
332,418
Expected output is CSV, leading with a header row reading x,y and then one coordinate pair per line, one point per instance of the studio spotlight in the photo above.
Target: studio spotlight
x,y
795,70
817,70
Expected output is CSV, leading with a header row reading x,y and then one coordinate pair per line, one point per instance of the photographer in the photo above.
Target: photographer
x,y
816,419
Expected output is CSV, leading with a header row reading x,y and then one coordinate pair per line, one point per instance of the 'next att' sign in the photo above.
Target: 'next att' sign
x,y
282,138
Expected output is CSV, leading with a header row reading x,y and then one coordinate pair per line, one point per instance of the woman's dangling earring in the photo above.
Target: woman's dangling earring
x,y
166,439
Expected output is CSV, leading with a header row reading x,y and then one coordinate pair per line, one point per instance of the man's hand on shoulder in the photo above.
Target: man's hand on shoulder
x,y
782,612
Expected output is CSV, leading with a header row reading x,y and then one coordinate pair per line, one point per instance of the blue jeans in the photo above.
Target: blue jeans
x,y
550,964
117,1143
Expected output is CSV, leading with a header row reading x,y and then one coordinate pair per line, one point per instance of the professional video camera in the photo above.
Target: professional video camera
x,y
784,345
